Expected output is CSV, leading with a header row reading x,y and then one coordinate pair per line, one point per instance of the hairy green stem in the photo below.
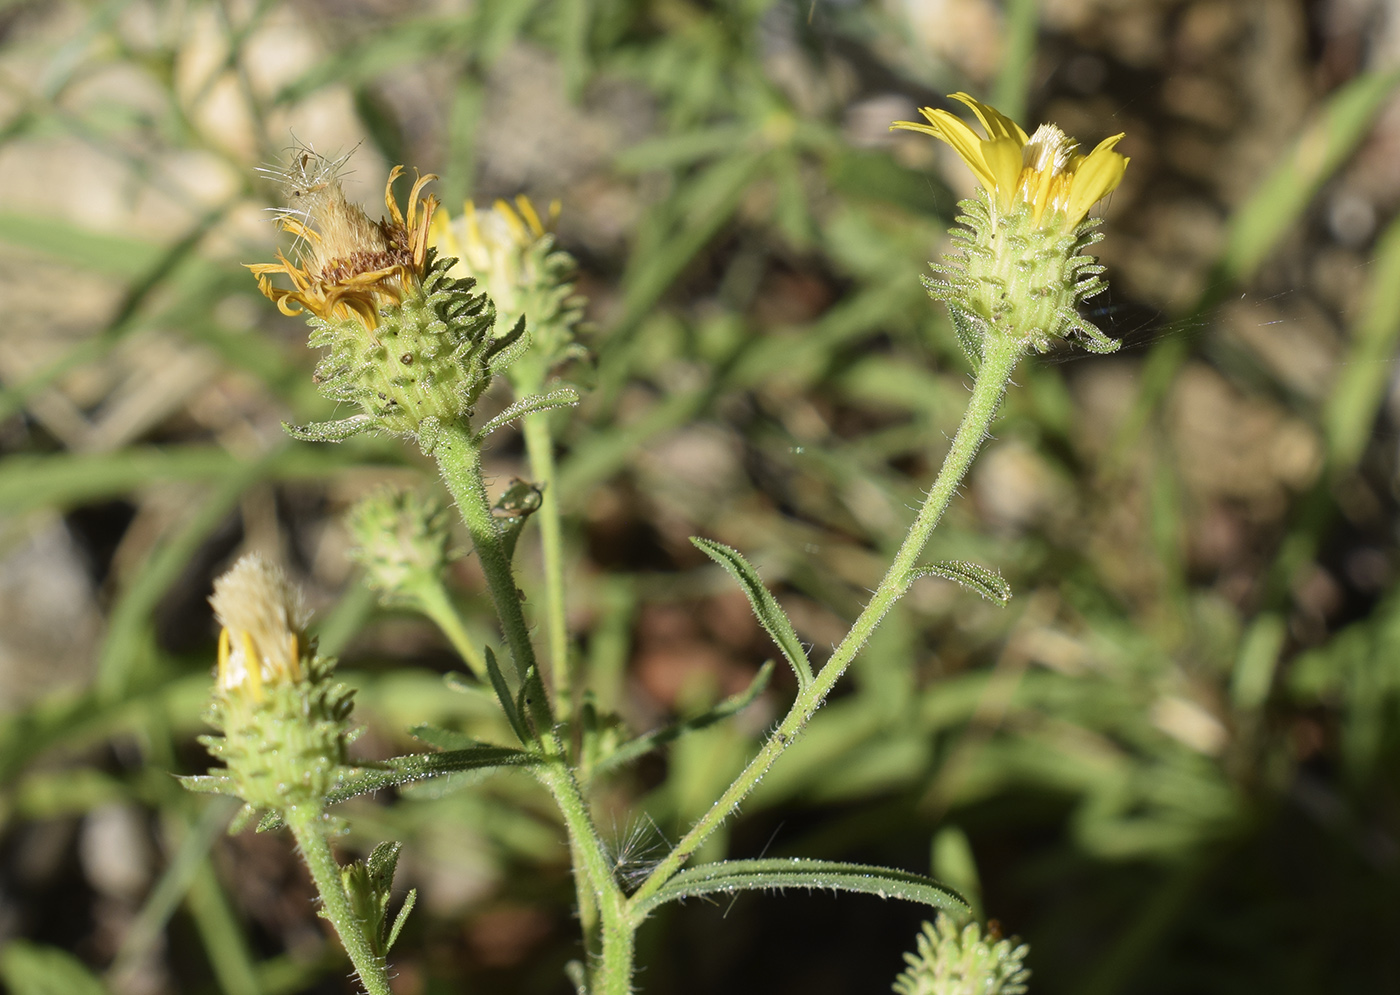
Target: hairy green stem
x,y
539,444
459,459
999,360
612,940
325,872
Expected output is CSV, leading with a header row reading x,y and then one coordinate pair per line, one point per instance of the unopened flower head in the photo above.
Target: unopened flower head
x,y
1045,172
263,619
961,961
347,265
283,722
404,542
1021,274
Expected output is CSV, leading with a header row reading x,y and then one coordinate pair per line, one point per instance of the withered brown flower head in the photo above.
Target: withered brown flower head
x,y
347,265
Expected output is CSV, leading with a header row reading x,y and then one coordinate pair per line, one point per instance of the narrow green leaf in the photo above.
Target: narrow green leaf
x,y
408,902
507,700
973,576
770,614
398,771
729,876
31,969
647,742
421,766
1350,412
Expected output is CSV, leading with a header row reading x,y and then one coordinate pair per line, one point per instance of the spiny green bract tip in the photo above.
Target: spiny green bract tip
x,y
953,961
1013,277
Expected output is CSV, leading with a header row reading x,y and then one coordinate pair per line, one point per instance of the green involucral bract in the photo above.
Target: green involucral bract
x,y
283,749
954,961
425,365
1014,277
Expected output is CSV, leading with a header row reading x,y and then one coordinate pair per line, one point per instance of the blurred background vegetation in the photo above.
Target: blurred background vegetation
x,y
1171,764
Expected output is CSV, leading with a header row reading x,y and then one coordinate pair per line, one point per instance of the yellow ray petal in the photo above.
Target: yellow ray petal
x,y
997,124
965,142
1097,177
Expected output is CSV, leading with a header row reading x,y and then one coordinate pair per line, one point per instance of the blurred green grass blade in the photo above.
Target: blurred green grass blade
x,y
64,480
33,969
952,860
673,151
1258,225
172,885
647,742
221,933
75,721
1369,363
876,176
83,248
497,25
728,876
128,627
463,121
50,794
712,199
575,19
602,454
1323,146
1012,87
1253,676
395,44
65,243
348,617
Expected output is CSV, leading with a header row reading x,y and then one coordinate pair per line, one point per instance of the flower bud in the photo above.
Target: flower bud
x,y
511,255
953,961
403,541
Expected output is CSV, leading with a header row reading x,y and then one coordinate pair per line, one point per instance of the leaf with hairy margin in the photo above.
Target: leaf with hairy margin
x,y
770,614
398,771
974,577
728,876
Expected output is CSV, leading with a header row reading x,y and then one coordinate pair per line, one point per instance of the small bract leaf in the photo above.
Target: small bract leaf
x,y
972,576
565,397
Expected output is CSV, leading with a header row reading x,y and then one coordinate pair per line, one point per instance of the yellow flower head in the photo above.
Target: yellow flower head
x,y
263,618
1042,171
348,266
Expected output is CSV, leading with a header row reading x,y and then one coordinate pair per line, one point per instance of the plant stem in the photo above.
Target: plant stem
x,y
336,904
459,459
539,444
612,944
998,362
433,601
